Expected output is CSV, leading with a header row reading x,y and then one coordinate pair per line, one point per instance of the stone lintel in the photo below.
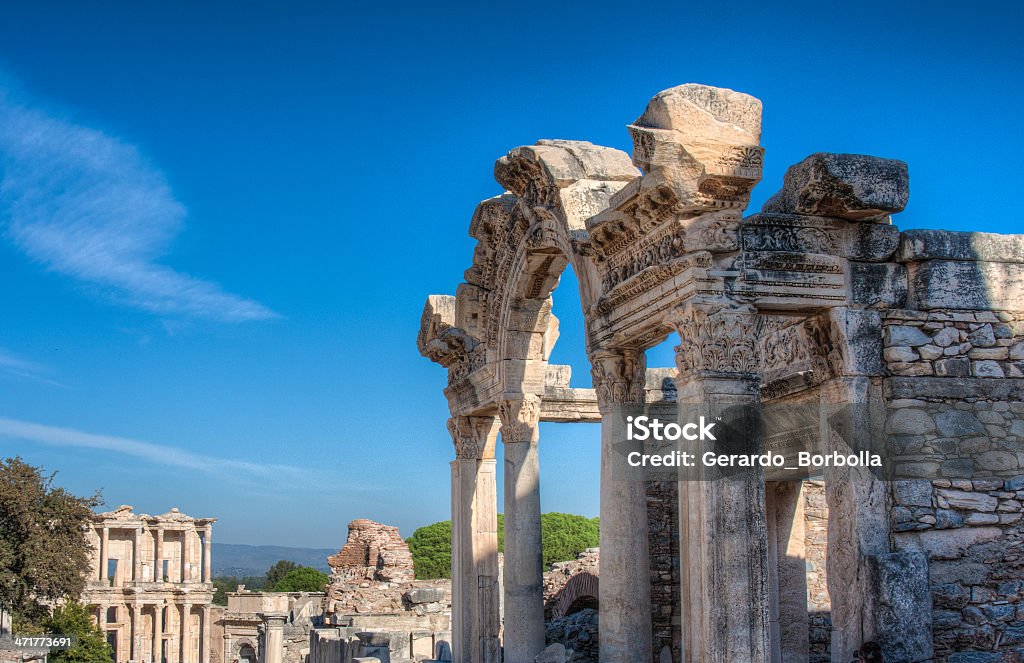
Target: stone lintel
x,y
1007,389
920,245
965,285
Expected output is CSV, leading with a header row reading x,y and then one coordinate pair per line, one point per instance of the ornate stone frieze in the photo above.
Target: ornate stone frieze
x,y
796,353
473,436
619,377
716,336
520,416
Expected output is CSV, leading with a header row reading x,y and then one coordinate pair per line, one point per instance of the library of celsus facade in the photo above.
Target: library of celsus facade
x,y
911,343
150,588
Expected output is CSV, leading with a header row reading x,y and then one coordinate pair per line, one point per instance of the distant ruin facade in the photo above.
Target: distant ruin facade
x,y
908,343
149,589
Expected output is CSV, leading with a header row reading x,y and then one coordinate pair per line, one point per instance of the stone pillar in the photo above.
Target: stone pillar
x,y
723,541
158,567
104,542
136,632
185,559
207,570
625,587
158,632
476,622
273,641
186,635
524,590
101,622
204,635
137,556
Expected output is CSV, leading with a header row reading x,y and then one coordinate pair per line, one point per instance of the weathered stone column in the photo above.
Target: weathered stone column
x,y
723,546
524,588
274,638
136,653
207,570
104,542
204,634
476,622
137,556
158,632
625,587
186,635
158,568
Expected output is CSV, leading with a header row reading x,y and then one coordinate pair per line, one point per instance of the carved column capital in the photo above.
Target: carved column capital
x,y
473,437
520,417
716,336
619,377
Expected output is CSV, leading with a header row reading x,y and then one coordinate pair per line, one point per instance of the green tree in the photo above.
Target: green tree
x,y
73,619
43,545
302,579
564,536
279,570
224,584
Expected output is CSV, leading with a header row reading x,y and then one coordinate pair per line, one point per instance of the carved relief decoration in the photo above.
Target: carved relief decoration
x,y
473,436
619,377
520,417
716,336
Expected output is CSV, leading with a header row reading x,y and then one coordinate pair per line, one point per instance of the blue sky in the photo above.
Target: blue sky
x,y
219,222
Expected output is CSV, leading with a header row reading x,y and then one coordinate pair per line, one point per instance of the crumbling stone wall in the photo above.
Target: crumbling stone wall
x,y
819,606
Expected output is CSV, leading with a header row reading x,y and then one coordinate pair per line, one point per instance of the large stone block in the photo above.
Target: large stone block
x,y
878,285
898,605
976,286
919,245
849,186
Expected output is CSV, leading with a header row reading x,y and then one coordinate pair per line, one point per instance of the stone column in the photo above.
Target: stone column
x,y
158,632
137,556
625,587
104,542
136,632
476,622
723,540
186,635
207,570
185,559
524,590
158,567
204,634
274,639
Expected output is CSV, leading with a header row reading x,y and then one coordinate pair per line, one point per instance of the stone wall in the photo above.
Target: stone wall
x,y
663,539
819,606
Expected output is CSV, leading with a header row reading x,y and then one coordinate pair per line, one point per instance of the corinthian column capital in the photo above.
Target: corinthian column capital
x,y
619,377
716,336
520,417
473,437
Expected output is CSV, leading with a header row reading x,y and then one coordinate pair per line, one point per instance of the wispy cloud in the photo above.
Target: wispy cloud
x,y
87,205
158,454
11,364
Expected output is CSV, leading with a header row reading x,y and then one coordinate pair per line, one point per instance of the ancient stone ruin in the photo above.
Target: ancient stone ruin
x,y
373,606
908,346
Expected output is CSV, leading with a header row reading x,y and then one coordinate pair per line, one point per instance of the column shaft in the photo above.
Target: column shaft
x,y
158,551
625,589
186,636
137,556
158,633
104,542
524,589
207,570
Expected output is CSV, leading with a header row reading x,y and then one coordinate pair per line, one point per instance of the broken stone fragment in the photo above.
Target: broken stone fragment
x,y
848,186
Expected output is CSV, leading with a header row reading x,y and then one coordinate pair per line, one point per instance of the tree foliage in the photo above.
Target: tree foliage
x,y
279,570
73,619
224,584
564,537
43,545
301,579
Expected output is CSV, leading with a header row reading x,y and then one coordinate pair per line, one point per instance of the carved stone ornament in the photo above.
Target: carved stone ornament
x,y
520,417
716,336
473,436
619,377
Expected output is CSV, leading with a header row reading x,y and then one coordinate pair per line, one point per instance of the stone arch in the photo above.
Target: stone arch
x,y
583,585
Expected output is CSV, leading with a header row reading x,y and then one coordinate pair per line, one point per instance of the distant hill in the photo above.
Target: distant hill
x,y
236,559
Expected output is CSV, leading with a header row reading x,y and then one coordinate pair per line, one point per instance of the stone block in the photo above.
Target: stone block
x,y
919,245
913,493
425,595
878,285
987,368
898,605
910,421
959,499
905,335
975,286
947,544
848,186
955,367
956,423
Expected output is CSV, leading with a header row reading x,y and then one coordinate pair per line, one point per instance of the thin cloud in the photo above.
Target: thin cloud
x,y
158,454
12,364
87,205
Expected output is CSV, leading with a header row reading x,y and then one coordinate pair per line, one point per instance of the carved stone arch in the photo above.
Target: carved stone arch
x,y
581,586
